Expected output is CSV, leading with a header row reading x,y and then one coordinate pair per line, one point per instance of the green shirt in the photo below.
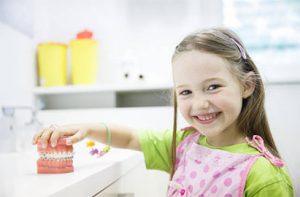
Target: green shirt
x,y
264,179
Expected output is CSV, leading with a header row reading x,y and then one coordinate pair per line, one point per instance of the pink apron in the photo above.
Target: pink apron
x,y
202,171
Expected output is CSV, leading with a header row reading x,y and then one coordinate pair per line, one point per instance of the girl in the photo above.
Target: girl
x,y
228,150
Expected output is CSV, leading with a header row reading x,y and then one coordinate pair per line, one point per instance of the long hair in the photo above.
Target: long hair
x,y
225,43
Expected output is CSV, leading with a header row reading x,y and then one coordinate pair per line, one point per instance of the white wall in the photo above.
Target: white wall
x,y
142,33
16,68
18,14
283,109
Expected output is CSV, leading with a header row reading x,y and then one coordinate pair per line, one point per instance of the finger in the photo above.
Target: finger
x,y
46,136
36,137
58,132
54,137
79,135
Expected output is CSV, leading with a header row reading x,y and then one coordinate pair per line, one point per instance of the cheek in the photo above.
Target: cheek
x,y
232,105
183,107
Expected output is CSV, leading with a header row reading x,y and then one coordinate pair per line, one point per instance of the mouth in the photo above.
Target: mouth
x,y
207,118
58,159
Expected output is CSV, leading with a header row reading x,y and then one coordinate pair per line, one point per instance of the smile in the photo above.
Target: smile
x,y
206,118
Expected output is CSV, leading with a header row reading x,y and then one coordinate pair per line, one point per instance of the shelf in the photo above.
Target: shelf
x,y
106,95
70,89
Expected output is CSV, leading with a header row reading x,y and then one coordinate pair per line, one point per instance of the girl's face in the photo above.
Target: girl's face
x,y
209,96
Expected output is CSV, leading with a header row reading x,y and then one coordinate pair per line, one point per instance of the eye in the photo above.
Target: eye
x,y
185,92
213,87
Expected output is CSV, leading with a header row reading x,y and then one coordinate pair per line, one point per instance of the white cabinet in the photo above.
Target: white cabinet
x,y
113,190
106,95
139,182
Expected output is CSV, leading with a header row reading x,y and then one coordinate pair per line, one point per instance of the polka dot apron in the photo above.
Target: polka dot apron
x,y
202,171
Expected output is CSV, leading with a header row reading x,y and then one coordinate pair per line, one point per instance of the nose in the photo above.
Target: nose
x,y
201,102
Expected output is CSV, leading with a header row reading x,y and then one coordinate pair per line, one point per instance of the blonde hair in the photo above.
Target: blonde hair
x,y
226,44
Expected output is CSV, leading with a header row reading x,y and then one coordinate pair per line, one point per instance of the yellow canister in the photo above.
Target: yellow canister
x,y
84,59
52,64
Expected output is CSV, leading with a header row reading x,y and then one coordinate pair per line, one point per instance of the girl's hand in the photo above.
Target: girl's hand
x,y
51,134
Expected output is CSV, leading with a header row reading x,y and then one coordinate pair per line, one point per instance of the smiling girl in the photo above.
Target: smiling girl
x,y
228,149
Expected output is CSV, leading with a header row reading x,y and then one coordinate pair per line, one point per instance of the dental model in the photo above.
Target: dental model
x,y
55,160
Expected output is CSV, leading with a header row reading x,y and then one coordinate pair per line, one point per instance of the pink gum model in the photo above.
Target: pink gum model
x,y
54,160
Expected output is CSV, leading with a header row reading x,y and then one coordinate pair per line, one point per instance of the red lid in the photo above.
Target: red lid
x,y
85,35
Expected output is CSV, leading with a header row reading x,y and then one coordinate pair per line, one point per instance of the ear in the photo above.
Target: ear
x,y
248,84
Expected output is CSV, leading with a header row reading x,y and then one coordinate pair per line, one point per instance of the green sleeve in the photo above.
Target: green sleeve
x,y
156,147
264,179
277,189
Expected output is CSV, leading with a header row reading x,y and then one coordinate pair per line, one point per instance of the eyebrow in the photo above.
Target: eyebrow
x,y
205,81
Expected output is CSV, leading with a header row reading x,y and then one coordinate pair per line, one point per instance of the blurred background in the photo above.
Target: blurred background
x,y
73,57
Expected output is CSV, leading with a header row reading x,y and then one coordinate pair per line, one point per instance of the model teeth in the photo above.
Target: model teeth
x,y
56,155
207,117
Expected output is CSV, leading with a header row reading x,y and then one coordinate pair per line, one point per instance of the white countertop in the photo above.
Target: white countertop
x,y
18,175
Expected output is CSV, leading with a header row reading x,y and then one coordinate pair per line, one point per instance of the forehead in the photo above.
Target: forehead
x,y
197,65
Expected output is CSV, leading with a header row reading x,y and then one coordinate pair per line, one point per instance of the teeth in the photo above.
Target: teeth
x,y
207,116
56,155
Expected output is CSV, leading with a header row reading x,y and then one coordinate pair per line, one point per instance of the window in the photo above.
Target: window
x,y
270,30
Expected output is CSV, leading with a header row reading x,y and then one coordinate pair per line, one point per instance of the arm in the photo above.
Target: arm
x,y
121,136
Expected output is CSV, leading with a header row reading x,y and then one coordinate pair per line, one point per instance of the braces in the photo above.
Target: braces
x,y
56,156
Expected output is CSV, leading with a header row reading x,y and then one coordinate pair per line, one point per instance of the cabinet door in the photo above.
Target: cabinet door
x,y
114,195
114,191
111,192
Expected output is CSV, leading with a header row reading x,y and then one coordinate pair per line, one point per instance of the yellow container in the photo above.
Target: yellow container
x,y
52,64
84,61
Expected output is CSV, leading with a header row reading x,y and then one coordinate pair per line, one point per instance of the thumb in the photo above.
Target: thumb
x,y
80,135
